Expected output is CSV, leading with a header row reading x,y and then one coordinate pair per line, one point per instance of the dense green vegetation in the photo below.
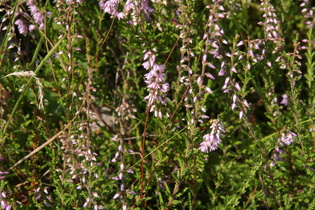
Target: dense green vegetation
x,y
157,104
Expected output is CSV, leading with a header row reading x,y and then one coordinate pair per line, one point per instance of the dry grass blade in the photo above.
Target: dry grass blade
x,y
22,74
37,149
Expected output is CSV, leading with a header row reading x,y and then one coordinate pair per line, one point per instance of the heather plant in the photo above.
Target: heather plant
x,y
156,104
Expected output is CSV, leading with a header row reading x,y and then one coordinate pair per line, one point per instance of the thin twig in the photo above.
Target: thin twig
x,y
37,149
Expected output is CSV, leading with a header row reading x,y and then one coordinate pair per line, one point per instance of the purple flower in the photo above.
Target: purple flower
x,y
155,81
3,202
285,100
22,27
110,7
210,143
37,15
70,2
308,13
129,5
2,172
5,206
146,9
212,140
286,139
234,102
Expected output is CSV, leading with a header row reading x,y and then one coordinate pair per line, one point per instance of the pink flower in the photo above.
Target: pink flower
x,y
285,100
211,141
22,27
155,80
110,7
37,15
209,144
287,138
146,9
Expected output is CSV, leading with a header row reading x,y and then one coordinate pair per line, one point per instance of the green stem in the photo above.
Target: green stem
x,y
25,87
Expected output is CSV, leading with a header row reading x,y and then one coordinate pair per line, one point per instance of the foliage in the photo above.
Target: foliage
x,y
157,104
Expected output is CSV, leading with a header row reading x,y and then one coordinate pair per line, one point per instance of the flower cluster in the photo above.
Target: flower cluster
x,y
212,140
119,156
74,1
215,41
22,18
273,32
136,8
80,159
42,195
308,13
133,7
156,84
146,9
22,26
285,139
4,204
3,195
126,110
36,14
110,7
215,32
271,24
285,100
2,173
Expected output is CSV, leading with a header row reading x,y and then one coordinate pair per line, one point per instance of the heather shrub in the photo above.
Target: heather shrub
x,y
157,104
